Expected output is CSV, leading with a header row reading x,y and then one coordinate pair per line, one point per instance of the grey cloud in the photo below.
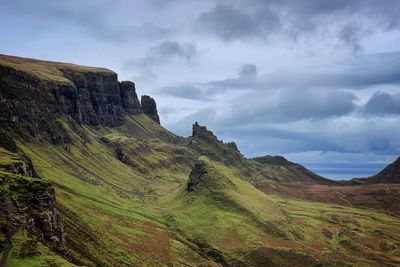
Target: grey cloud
x,y
351,35
194,92
254,137
98,18
187,92
204,116
363,138
359,73
173,49
230,23
315,103
163,53
159,55
290,105
385,12
278,106
382,103
292,18
248,70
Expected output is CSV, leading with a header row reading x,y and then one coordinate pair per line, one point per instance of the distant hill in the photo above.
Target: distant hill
x,y
389,175
291,171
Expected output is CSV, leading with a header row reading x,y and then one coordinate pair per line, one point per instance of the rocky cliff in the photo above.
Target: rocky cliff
x,y
149,108
35,94
27,204
206,143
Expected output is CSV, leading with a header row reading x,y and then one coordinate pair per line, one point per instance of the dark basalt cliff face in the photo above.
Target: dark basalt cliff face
x,y
206,143
28,204
149,108
35,96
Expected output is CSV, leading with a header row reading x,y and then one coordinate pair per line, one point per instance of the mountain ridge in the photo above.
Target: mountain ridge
x,y
34,97
130,193
389,174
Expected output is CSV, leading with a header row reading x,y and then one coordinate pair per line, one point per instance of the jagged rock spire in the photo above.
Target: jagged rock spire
x,y
149,108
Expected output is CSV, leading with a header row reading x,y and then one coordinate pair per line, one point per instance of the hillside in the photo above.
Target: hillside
x,y
290,171
389,175
90,178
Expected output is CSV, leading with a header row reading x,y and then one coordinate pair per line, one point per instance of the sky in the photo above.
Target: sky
x,y
317,81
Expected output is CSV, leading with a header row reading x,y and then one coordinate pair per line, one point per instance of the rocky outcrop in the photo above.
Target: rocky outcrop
x,y
197,177
206,143
23,167
29,204
130,101
35,94
149,108
11,162
202,133
206,177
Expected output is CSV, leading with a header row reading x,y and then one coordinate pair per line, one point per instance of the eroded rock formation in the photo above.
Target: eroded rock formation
x,y
149,108
32,102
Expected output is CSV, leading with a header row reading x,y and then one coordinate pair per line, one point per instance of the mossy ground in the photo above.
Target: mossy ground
x,y
122,193
28,252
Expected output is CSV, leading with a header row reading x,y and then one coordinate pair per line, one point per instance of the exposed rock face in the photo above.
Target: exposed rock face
x,y
205,177
31,102
202,132
197,176
17,164
149,108
24,167
206,143
130,101
29,204
233,145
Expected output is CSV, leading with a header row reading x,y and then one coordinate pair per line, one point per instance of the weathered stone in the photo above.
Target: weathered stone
x,y
30,204
149,108
24,167
202,132
31,105
130,101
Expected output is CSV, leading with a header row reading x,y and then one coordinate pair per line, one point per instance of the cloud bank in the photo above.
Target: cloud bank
x,y
314,80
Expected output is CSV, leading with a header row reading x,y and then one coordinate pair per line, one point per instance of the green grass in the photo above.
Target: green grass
x,y
46,70
41,255
137,211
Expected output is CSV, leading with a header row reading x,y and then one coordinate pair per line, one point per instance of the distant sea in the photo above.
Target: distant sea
x,y
345,171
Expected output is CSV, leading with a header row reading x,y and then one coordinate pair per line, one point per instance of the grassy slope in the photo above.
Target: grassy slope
x,y
139,212
27,252
102,200
244,219
46,70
